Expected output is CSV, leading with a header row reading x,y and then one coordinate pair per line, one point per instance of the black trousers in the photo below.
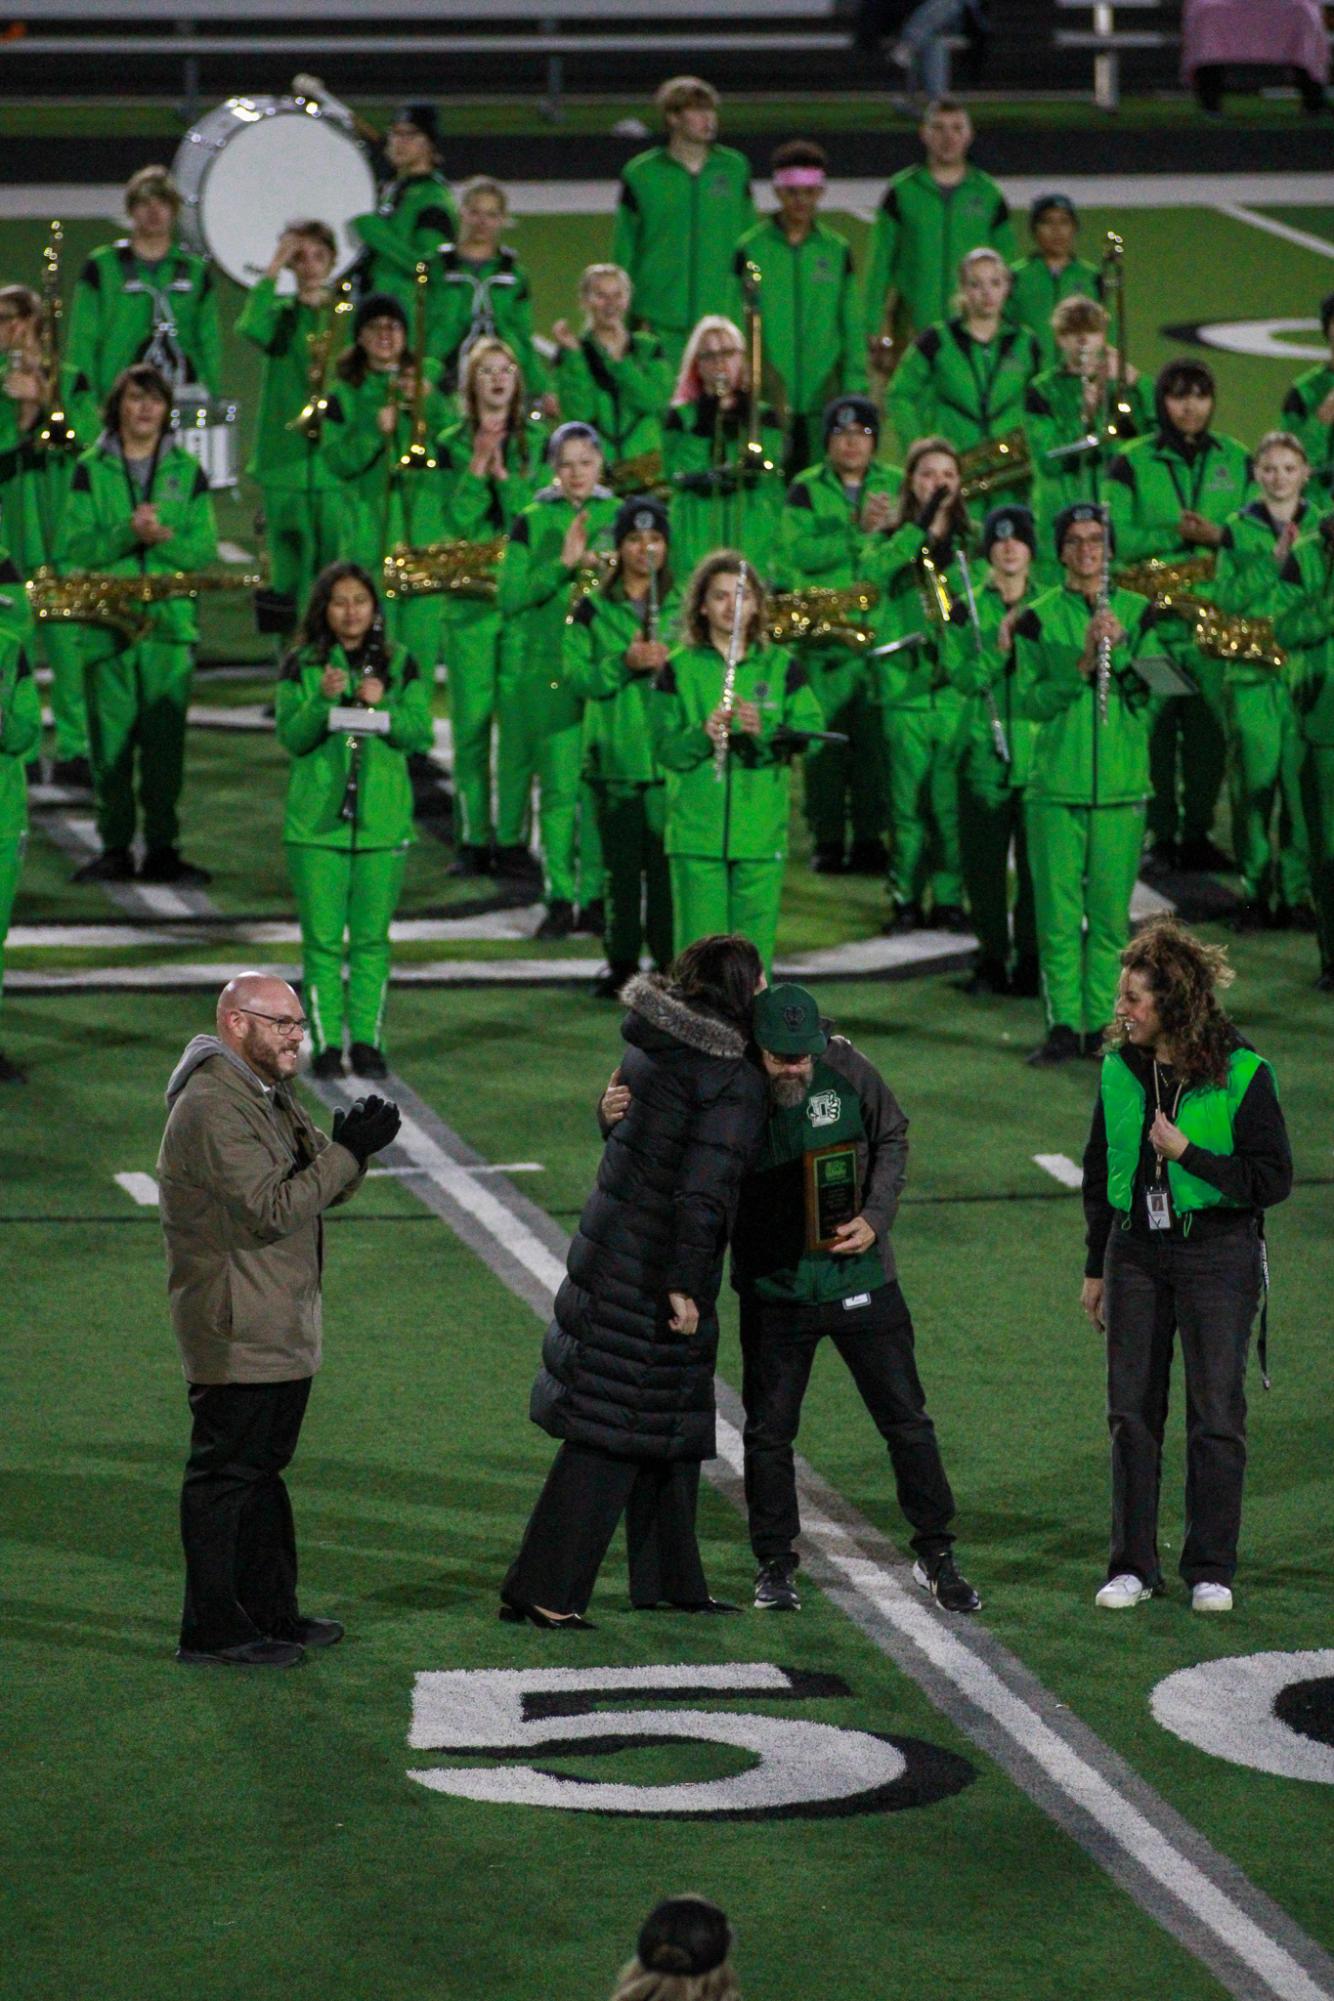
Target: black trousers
x,y
236,1518
1207,1290
778,1345
586,1493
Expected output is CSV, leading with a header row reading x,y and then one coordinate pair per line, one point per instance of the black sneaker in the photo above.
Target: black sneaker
x,y
112,865
828,859
303,1632
518,863
470,861
906,917
252,1654
10,1072
775,1586
329,1063
867,858
170,865
607,986
941,1576
949,917
558,922
365,1060
591,920
1062,1043
75,773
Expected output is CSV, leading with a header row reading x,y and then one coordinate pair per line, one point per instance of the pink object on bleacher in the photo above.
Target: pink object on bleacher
x,y
1286,33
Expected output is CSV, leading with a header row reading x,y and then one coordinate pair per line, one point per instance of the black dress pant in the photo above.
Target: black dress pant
x,y
1207,1290
586,1493
236,1518
778,1345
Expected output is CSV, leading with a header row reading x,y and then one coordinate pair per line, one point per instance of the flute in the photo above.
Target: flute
x,y
994,722
651,609
1104,671
720,748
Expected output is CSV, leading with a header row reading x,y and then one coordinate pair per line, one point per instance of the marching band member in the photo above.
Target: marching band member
x,y
20,734
302,496
614,645
929,217
729,772
379,401
1169,495
994,754
479,290
833,513
719,499
555,537
415,214
681,208
1264,743
144,298
1305,626
809,296
139,506
615,380
34,485
1052,273
919,708
967,376
490,463
1308,408
1088,782
1072,401
348,820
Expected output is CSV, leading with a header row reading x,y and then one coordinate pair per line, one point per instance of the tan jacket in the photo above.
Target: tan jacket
x,y
243,1179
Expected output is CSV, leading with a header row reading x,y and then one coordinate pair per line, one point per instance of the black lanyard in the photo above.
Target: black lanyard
x,y
1197,481
1172,1115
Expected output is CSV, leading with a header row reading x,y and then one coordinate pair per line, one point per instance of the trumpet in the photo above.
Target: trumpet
x,y
123,603
823,616
994,463
417,457
55,434
453,568
321,347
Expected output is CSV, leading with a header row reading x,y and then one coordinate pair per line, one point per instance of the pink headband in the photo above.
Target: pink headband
x,y
799,177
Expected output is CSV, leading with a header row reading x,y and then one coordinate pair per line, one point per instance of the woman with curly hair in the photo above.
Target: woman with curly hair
x,y
684,1953
1188,1150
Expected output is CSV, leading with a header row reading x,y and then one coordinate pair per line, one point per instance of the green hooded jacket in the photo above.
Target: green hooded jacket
x,y
1305,625
20,728
383,505
1150,484
966,389
414,217
322,758
535,585
820,539
470,301
618,743
625,401
1300,404
972,669
34,483
708,514
1036,291
1054,416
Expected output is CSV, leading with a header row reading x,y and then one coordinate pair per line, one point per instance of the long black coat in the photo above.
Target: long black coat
x,y
614,1374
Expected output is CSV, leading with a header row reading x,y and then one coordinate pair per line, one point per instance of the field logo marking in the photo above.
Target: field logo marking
x,y
1271,1712
801,1768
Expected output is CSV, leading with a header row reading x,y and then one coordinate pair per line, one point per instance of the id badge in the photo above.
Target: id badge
x,y
1160,1213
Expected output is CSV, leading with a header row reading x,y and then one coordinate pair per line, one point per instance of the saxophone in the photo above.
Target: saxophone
x,y
1160,580
823,616
1219,635
123,603
641,474
451,568
994,463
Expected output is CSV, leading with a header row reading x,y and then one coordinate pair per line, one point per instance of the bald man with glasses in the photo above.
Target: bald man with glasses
x,y
245,1177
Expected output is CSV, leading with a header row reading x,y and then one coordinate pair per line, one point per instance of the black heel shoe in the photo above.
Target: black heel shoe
x,y
517,1615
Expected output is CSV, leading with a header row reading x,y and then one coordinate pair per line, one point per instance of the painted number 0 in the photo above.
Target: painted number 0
x,y
800,1767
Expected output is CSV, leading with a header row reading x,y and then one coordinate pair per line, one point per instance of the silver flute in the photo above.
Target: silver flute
x,y
1104,672
720,748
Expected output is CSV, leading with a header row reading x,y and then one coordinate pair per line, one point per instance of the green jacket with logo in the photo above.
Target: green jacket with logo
x,y
820,539
322,758
618,742
675,233
1078,759
1206,1114
742,816
20,727
1036,292
1150,483
814,346
1300,404
114,308
972,670
535,587
1248,582
382,505
1305,624
709,513
848,1103
625,401
966,389
34,483
468,300
1053,416
921,231
478,509
413,218
914,678
96,534
281,328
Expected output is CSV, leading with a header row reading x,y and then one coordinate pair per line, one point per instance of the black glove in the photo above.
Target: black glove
x,y
368,1127
926,514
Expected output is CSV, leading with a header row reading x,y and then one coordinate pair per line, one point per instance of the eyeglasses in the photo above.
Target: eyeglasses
x,y
284,1022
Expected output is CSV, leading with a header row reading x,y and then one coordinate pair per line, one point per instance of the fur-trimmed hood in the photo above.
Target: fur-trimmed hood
x,y
649,997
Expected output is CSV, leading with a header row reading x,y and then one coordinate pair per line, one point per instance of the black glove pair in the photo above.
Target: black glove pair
x,y
927,512
367,1127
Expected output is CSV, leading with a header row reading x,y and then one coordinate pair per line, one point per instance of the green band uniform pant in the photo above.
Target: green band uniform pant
x,y
69,707
923,805
471,639
137,701
303,530
630,822
991,818
346,900
1264,767
710,895
1187,748
541,738
845,782
1084,861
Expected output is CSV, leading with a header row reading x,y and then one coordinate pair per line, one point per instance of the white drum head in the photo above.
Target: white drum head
x,y
256,164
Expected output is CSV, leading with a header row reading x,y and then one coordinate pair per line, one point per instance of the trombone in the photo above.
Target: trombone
x,y
56,433
1117,404
417,457
321,348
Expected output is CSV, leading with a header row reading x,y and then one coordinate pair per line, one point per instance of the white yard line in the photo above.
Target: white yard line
x,y
1239,212
140,1188
1061,1168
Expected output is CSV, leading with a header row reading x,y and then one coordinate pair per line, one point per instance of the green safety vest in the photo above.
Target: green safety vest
x,y
770,1258
1206,1115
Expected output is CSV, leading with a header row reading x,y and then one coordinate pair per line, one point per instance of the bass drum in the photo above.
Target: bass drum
x,y
256,164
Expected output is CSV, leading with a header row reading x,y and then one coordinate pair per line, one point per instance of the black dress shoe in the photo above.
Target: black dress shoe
x,y
518,1615
558,922
591,920
310,1632
169,865
470,861
518,863
329,1063
906,917
867,858
1062,1043
73,772
365,1060
949,917
112,865
828,859
250,1654
10,1072
705,1605
1202,857
607,986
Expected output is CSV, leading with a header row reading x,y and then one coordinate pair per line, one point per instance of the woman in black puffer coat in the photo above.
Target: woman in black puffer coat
x,y
628,1360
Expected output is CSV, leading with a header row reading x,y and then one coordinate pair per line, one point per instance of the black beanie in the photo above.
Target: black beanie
x,y
423,116
1082,510
1004,522
379,306
851,413
640,513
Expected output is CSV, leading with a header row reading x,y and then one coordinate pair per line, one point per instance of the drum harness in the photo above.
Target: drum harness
x,y
163,351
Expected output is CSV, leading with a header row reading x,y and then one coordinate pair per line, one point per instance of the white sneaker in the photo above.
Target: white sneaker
x,y
1210,1598
1122,1591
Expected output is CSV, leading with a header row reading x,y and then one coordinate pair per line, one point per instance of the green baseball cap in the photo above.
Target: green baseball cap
x,y
787,1022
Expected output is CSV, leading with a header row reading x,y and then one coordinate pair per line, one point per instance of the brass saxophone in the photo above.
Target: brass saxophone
x,y
322,347
1160,580
641,474
822,615
123,603
1219,635
452,568
994,463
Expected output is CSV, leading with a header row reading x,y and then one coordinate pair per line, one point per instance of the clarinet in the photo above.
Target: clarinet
x,y
651,609
1104,670
720,749
371,669
994,722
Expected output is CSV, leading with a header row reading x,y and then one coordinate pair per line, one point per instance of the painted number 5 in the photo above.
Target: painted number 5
x,y
800,1767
